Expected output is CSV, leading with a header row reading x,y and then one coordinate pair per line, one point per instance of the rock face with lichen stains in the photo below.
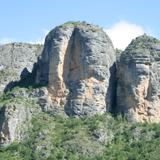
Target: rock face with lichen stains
x,y
77,63
138,91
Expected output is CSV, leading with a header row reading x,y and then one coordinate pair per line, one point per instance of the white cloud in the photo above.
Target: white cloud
x,y
123,32
6,40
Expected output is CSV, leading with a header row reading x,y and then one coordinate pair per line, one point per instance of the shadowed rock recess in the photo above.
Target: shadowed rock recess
x,y
77,74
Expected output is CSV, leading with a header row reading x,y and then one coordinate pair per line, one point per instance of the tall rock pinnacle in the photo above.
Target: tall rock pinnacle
x,y
76,63
138,91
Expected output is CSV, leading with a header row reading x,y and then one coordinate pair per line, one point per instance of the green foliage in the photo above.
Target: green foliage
x,y
58,138
90,27
16,96
143,45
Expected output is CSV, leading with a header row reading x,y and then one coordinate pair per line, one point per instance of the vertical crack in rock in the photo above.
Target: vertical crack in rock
x,y
79,58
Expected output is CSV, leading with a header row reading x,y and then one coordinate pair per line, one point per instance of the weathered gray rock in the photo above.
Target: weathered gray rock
x,y
16,59
138,91
17,109
77,69
14,122
76,63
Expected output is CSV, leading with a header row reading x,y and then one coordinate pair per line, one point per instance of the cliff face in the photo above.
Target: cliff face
x,y
79,77
138,76
16,60
77,62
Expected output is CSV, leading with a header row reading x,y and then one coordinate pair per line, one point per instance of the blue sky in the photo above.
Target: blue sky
x,y
30,20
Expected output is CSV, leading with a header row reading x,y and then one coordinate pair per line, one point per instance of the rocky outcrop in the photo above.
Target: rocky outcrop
x,y
13,117
17,109
78,73
76,63
16,60
138,91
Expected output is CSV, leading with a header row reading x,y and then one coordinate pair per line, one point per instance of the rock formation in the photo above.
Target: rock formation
x,y
17,111
12,123
77,62
79,77
138,74
16,60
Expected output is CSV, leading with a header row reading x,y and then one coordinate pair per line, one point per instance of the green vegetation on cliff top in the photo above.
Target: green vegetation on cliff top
x,y
145,45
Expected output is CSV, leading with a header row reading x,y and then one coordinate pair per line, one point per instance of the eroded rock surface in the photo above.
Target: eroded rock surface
x,y
78,75
14,122
138,91
16,60
16,111
76,63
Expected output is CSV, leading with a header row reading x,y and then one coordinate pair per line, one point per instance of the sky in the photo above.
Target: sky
x,y
123,20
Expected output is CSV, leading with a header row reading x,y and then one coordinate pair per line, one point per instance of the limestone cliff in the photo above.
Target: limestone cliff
x,y
76,75
138,74
16,60
16,111
77,63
